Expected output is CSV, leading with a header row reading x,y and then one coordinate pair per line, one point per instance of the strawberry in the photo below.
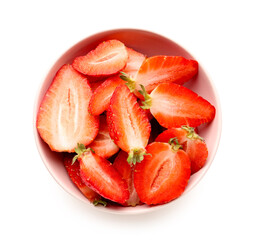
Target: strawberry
x,y
174,105
74,174
192,143
128,124
135,60
95,85
100,99
99,175
108,58
127,172
103,145
63,118
162,69
163,174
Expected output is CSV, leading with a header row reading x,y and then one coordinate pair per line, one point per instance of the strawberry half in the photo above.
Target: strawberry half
x,y
135,60
127,172
74,174
163,175
192,144
162,69
99,175
63,119
103,145
108,58
128,124
100,99
174,106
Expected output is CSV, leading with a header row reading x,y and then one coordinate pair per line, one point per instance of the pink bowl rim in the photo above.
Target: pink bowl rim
x,y
129,210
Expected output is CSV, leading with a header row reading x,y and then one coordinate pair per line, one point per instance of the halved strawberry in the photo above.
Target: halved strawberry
x,y
63,119
135,60
74,174
109,57
128,124
127,172
163,175
174,105
99,175
100,99
192,144
103,145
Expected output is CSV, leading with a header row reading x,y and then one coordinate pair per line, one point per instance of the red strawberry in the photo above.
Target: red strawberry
x,y
128,124
127,171
63,119
74,174
161,69
174,105
99,175
103,145
100,99
109,57
163,175
135,59
192,143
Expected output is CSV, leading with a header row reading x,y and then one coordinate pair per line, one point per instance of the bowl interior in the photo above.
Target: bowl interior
x,y
150,44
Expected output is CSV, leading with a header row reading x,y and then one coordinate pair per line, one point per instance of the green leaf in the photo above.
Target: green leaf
x,y
130,83
147,103
175,144
191,134
136,155
102,202
80,149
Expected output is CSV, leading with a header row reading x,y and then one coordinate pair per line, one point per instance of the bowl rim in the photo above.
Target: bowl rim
x,y
127,210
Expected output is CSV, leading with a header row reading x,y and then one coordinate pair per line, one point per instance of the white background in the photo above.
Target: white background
x,y
220,34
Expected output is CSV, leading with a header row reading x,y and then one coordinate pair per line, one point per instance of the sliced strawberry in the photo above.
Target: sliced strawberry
x,y
128,124
100,99
95,85
135,59
74,174
192,143
174,106
163,175
162,69
103,145
127,172
109,57
63,119
99,175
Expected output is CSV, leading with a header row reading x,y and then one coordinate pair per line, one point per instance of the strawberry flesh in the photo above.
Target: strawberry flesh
x,y
74,174
63,119
163,175
99,175
174,105
103,145
128,124
108,58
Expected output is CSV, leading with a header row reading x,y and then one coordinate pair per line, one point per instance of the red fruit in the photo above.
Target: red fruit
x,y
192,143
174,106
63,119
74,174
163,175
100,99
127,172
103,145
135,59
109,57
128,124
162,69
99,175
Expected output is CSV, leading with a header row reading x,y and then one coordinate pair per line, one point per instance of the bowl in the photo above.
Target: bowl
x,y
150,44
